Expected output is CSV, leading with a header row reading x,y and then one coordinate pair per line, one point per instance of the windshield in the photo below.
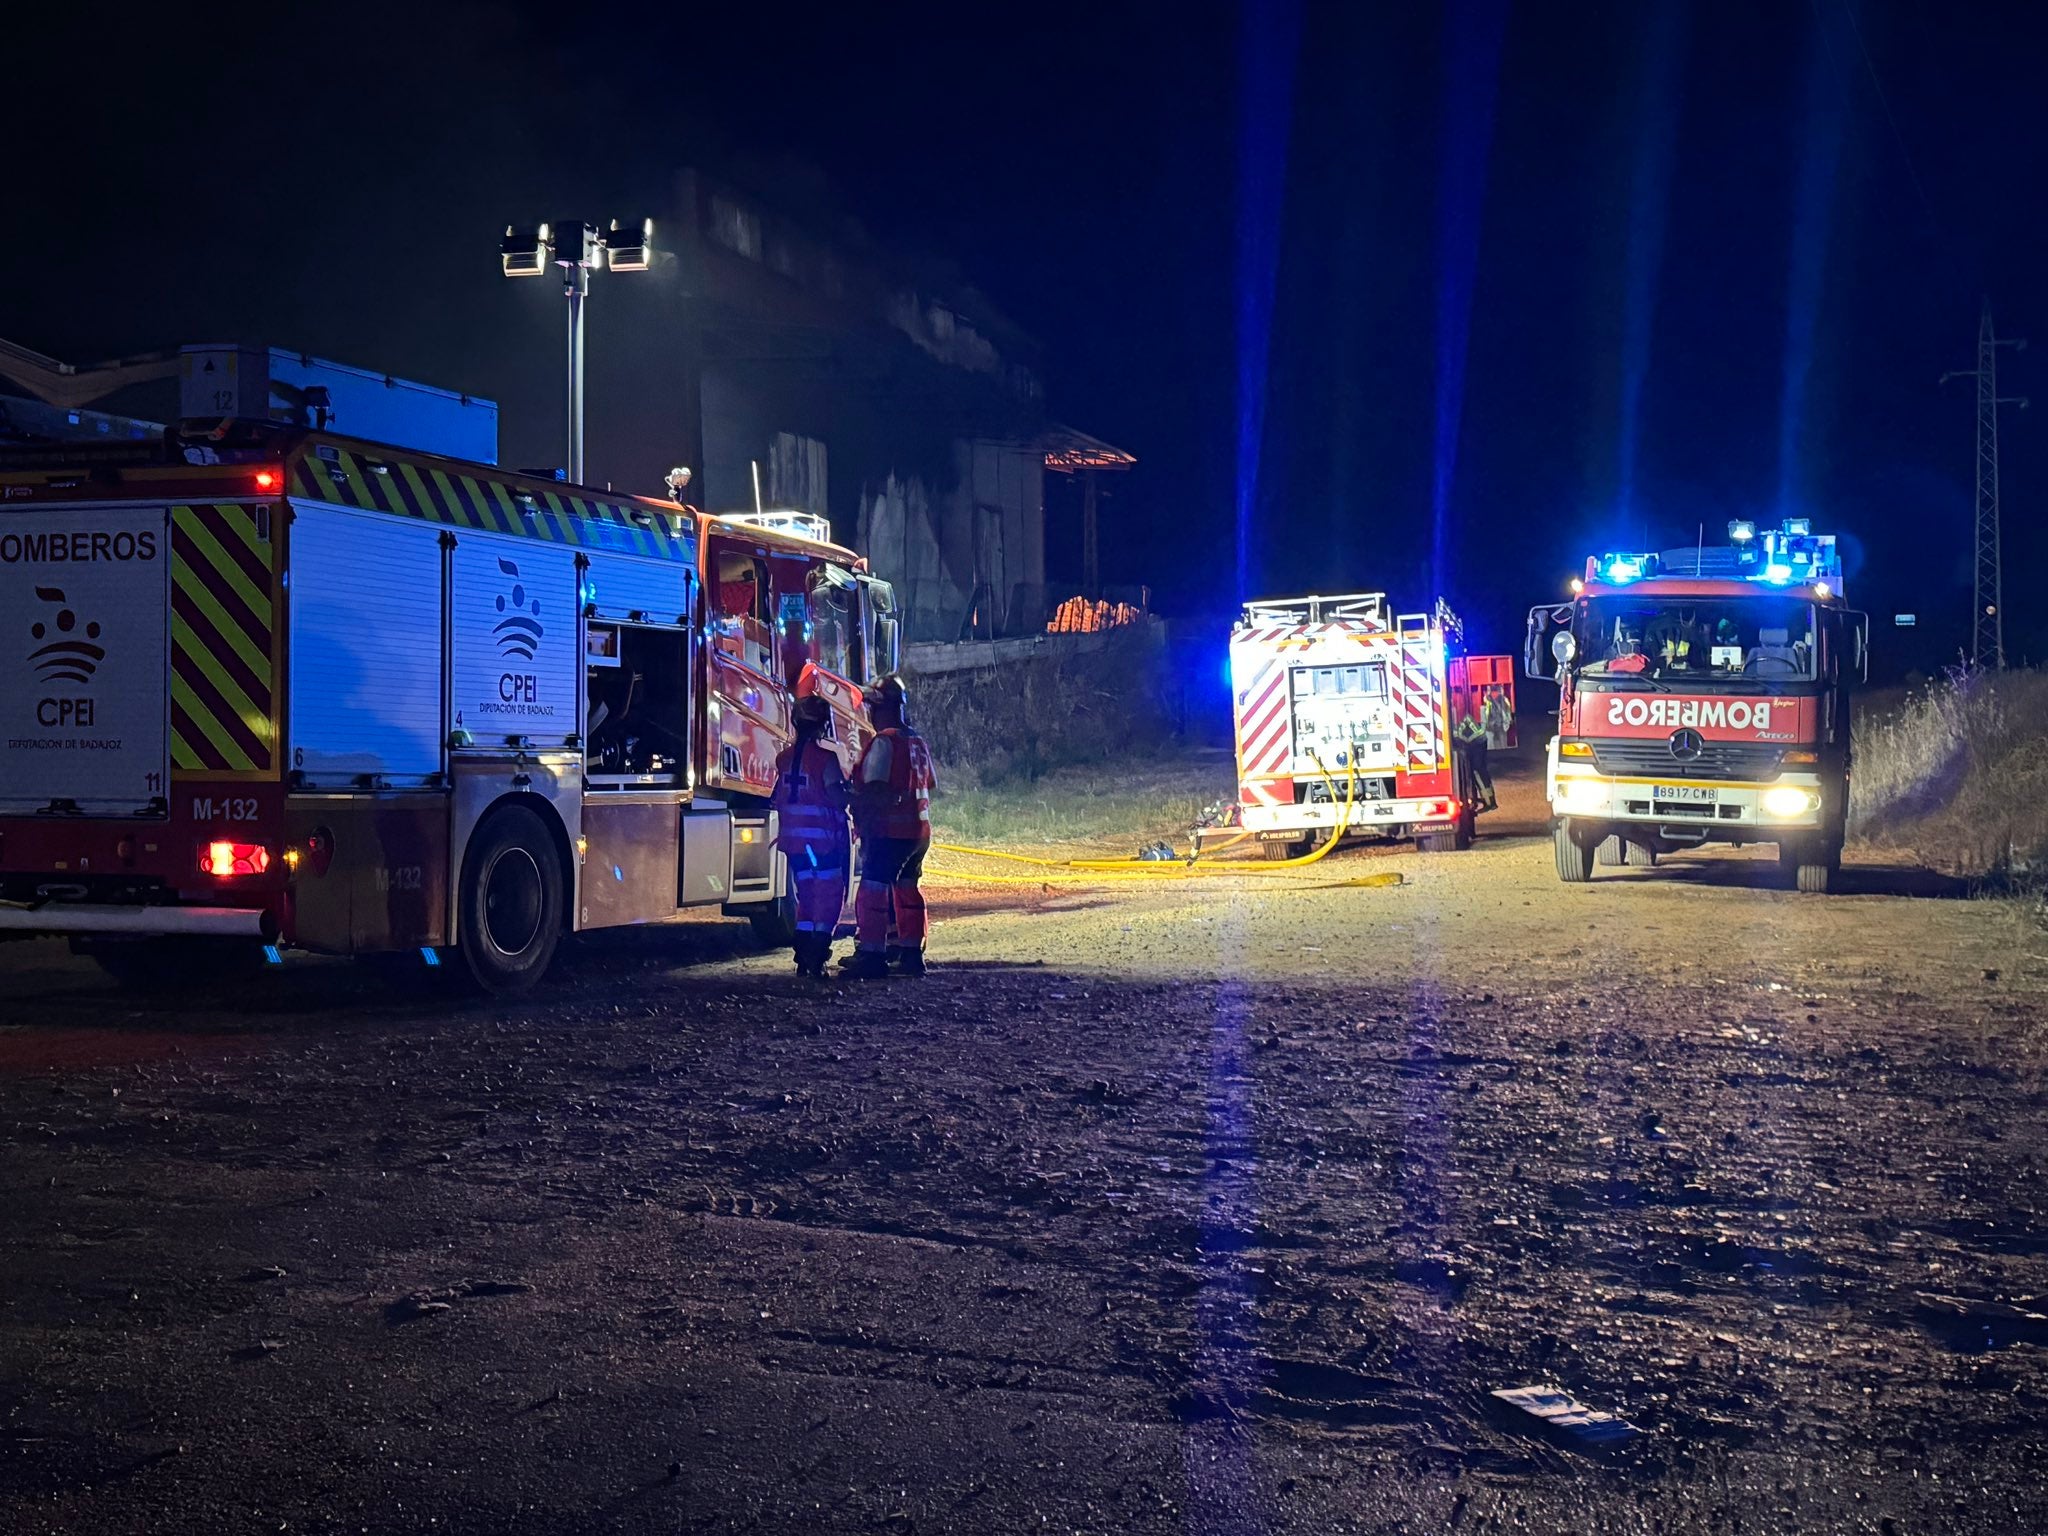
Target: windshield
x,y
1689,639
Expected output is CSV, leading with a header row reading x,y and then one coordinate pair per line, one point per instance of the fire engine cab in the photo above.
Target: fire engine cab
x,y
1703,697
272,686
1339,702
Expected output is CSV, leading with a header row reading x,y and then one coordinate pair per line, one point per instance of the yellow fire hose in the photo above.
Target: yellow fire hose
x,y
1094,871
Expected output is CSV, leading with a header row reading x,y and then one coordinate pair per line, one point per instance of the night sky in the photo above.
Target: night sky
x,y
1485,287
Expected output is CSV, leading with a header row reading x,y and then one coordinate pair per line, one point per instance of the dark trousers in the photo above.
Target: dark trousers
x,y
890,868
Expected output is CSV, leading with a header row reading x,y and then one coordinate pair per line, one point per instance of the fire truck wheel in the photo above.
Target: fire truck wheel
x,y
1811,865
1640,856
511,901
1574,858
1457,840
1290,850
775,924
1610,853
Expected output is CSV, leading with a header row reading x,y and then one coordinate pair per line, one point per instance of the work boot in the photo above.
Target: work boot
x,y
910,962
865,965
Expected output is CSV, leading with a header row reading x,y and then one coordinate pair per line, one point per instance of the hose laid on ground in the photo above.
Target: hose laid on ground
x,y
1150,869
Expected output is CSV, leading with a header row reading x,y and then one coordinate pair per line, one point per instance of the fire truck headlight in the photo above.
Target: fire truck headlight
x,y
1786,800
1582,793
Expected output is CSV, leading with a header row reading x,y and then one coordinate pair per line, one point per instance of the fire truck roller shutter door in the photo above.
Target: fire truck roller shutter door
x,y
515,667
365,649
617,586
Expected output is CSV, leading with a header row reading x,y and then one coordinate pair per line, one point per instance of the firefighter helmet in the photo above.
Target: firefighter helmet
x,y
889,694
811,712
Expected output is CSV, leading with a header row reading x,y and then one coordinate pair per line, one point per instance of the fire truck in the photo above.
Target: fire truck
x,y
1338,699
1703,697
271,687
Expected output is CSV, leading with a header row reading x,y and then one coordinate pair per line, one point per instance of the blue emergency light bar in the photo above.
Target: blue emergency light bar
x,y
1790,555
1621,569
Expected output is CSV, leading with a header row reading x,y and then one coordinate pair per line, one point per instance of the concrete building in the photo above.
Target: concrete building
x,y
876,390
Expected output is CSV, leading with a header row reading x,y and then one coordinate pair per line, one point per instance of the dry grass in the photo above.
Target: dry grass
x,y
1958,772
1109,808
1015,724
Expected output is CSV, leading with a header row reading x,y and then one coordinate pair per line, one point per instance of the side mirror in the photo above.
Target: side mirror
x,y
887,647
1547,644
1857,626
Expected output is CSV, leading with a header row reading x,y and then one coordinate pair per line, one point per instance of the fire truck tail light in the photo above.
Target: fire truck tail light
x,y
1574,749
266,479
228,861
1801,759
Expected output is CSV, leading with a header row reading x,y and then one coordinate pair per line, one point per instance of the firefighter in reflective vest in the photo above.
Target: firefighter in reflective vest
x,y
810,801
1471,735
892,806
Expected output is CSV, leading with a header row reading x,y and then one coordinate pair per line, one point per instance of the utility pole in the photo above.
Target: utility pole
x,y
1987,644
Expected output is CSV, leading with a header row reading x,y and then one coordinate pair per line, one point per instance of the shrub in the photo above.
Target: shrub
x,y
1021,720
1958,772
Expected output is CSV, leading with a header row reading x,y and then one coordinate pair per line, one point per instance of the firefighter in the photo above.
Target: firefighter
x,y
1471,735
810,800
892,793
1495,715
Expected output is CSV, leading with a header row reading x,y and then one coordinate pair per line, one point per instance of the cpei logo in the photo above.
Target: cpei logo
x,y
519,632
70,658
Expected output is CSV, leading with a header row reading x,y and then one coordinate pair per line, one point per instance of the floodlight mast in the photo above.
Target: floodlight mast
x,y
576,247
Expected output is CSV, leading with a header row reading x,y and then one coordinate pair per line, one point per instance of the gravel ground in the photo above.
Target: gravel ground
x,y
1209,1207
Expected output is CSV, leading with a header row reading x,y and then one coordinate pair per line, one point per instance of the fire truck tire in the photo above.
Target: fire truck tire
x,y
512,901
1457,840
1574,858
1610,853
1275,852
775,924
1812,865
1639,856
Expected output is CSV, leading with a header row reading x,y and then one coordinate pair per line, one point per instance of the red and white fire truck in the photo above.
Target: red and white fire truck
x,y
1339,699
275,687
1703,698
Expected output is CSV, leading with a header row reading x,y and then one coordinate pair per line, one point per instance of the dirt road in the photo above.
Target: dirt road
x,y
1157,1208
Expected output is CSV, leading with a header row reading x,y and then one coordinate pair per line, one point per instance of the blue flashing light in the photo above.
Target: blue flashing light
x,y
1779,574
1623,571
272,955
431,956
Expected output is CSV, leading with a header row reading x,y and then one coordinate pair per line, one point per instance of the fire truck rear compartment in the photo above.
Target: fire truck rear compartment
x,y
86,594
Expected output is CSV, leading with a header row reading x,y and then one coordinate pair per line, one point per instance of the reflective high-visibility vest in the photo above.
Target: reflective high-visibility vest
x,y
907,813
810,797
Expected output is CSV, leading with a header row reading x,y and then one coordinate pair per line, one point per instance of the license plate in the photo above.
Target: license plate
x,y
1692,793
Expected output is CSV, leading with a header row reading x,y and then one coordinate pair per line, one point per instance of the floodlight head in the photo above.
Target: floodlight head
x,y
1741,532
1798,527
629,247
524,250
